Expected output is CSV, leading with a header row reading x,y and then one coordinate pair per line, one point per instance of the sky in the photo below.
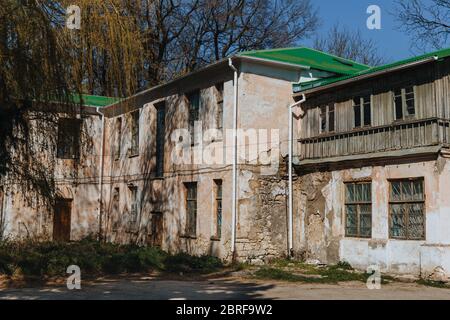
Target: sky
x,y
393,44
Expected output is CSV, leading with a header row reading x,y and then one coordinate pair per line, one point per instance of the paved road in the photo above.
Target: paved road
x,y
222,289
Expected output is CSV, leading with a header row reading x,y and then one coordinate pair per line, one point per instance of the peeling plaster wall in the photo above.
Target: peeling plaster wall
x,y
320,220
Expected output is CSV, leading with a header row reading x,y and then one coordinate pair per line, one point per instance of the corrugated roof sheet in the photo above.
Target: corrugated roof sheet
x,y
309,57
323,82
94,101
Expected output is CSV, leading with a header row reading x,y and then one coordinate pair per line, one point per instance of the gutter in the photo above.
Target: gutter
x,y
366,76
291,188
102,153
234,191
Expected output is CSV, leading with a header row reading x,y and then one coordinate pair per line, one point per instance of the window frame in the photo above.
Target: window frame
x,y
160,138
118,138
219,104
72,126
406,212
134,206
403,95
135,117
193,113
218,208
358,205
325,112
192,233
362,110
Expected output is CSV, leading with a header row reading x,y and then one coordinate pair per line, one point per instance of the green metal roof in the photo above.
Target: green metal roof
x,y
94,101
323,82
309,57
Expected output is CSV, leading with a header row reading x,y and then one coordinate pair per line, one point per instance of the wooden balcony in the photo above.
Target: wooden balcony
x,y
371,140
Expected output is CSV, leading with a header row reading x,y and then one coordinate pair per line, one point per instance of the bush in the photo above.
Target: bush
x,y
183,262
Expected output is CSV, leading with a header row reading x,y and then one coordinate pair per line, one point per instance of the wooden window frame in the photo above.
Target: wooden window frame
x,y
72,127
358,205
188,231
135,116
118,142
406,212
403,93
362,105
218,209
325,113
160,138
193,113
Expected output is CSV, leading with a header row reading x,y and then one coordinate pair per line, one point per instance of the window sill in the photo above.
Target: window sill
x,y
133,156
215,238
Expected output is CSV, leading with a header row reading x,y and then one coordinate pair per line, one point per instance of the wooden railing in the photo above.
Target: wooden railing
x,y
397,136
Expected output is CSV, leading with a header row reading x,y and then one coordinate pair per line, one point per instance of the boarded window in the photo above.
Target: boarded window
x,y
219,114
134,130
218,207
194,108
362,107
407,209
327,118
358,209
69,138
160,138
191,208
404,103
118,139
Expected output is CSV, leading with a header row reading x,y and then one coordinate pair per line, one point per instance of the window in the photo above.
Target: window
x,y
118,138
407,209
358,210
115,208
160,138
404,103
2,196
218,207
69,138
219,114
134,129
134,204
327,122
194,106
362,108
191,209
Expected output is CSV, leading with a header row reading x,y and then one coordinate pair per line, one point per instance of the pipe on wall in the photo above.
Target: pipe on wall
x,y
290,165
100,198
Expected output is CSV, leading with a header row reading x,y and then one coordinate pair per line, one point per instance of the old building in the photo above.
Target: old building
x,y
373,167
198,164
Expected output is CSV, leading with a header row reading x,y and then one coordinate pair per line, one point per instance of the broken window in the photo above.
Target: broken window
x,y
404,103
118,139
218,208
219,114
362,108
194,108
134,129
160,138
68,138
191,208
407,209
358,209
327,118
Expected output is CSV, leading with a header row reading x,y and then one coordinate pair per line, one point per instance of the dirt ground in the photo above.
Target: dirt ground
x,y
224,288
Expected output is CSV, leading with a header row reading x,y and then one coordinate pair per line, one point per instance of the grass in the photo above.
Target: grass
x,y
435,284
50,259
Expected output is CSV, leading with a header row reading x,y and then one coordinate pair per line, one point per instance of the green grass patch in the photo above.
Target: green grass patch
x,y
435,284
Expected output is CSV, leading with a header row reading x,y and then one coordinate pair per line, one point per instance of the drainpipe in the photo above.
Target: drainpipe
x,y
234,195
100,200
290,165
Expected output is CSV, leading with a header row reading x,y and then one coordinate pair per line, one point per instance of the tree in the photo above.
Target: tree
x,y
428,24
345,43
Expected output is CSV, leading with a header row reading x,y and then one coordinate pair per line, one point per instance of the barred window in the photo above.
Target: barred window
x,y
358,209
191,208
407,209
68,138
